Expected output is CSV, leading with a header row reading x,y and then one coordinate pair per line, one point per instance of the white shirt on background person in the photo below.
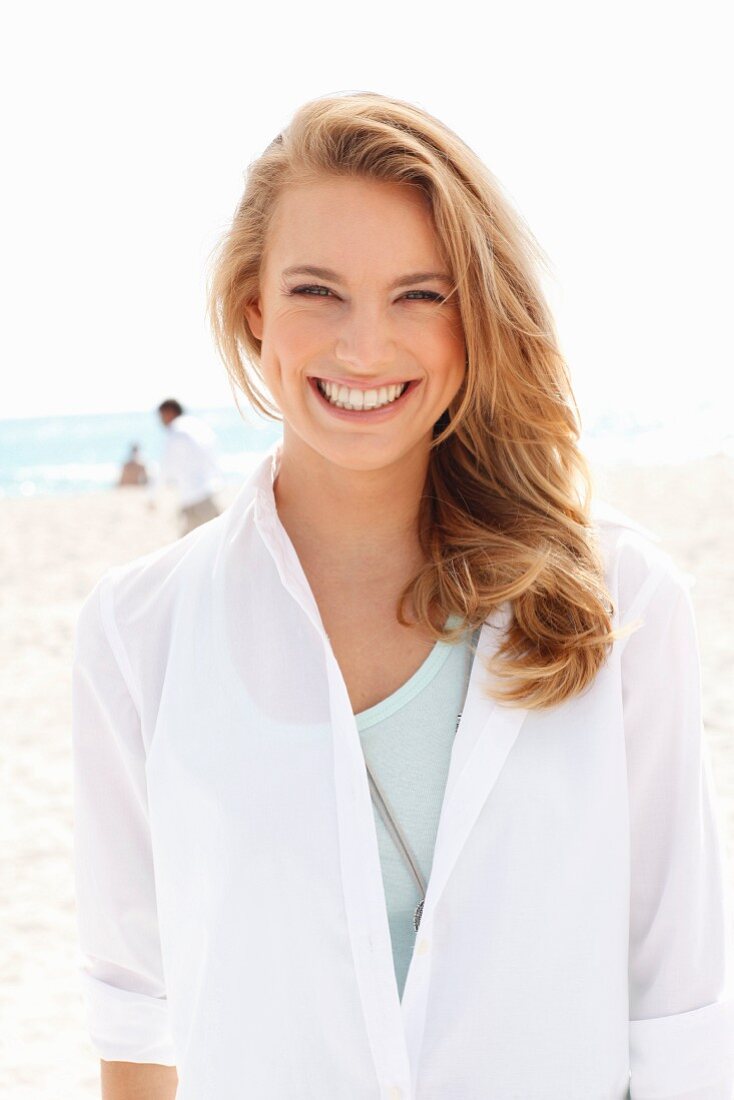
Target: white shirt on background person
x,y
190,460
232,919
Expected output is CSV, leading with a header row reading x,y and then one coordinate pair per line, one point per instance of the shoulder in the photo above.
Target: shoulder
x,y
638,570
142,596
138,592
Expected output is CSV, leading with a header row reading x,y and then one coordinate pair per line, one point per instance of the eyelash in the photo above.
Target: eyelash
x,y
323,292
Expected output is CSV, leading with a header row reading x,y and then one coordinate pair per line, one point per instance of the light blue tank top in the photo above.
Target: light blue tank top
x,y
407,741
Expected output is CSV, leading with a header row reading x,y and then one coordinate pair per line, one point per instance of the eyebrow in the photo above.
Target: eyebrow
x,y
403,280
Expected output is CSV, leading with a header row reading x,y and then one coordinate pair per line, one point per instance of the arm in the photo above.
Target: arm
x,y
133,1081
681,1006
120,963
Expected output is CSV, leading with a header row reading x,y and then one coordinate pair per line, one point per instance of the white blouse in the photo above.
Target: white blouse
x,y
574,942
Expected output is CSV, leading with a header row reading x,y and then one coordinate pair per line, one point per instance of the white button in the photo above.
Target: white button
x,y
394,1092
422,947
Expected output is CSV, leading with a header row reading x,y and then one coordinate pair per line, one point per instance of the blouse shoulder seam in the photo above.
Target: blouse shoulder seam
x,y
665,568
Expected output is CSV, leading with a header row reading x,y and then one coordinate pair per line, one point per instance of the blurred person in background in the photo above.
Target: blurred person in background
x,y
189,460
133,471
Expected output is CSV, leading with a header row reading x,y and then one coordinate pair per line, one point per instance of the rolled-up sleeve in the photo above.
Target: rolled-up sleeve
x,y
120,966
681,1007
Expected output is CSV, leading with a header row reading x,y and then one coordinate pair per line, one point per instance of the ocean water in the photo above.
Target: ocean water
x,y
74,454
49,456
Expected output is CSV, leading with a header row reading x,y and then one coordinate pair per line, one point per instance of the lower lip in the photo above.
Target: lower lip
x,y
377,415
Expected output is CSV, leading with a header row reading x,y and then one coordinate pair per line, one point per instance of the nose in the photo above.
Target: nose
x,y
365,342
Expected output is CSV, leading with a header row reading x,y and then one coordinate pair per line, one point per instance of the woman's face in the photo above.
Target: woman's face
x,y
352,302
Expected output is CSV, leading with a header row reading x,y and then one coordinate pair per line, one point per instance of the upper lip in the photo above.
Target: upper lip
x,y
352,384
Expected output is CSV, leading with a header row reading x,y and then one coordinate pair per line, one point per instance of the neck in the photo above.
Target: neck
x,y
356,524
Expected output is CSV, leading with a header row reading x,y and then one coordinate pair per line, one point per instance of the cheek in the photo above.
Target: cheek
x,y
441,344
295,336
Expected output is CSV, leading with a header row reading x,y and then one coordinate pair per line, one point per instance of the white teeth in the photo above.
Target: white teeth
x,y
345,398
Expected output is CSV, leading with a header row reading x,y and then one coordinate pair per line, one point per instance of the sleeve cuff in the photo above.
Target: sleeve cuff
x,y
690,1054
125,1026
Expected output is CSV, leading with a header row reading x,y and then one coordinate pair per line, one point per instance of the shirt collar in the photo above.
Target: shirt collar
x,y
274,535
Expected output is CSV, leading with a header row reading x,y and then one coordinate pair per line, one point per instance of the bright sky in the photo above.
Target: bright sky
x,y
131,125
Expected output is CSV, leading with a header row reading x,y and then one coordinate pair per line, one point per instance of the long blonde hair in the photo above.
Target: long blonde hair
x,y
505,514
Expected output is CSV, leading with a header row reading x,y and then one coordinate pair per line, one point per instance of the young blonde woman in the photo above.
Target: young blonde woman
x,y
390,780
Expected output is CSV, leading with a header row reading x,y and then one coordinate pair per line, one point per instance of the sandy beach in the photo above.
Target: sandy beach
x,y
53,551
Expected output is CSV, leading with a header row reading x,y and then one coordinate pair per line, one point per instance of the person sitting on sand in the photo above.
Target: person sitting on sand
x,y
133,471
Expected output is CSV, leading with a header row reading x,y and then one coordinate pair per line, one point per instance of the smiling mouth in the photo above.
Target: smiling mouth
x,y
346,397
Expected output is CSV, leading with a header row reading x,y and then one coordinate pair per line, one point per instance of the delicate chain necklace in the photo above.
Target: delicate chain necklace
x,y
397,835
396,832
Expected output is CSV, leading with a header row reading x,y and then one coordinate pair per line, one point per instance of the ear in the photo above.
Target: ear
x,y
254,318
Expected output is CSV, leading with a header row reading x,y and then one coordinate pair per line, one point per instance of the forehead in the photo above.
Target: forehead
x,y
352,225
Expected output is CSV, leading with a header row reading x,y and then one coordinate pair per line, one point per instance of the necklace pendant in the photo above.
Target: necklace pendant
x,y
418,914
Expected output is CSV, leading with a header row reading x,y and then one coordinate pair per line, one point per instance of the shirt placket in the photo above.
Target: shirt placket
x,y
361,872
